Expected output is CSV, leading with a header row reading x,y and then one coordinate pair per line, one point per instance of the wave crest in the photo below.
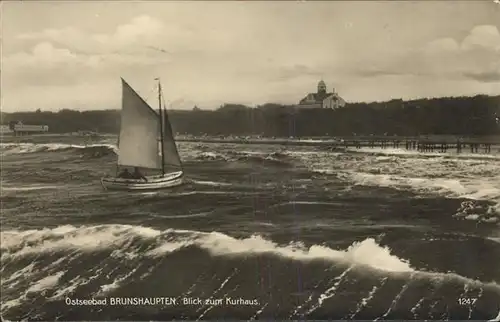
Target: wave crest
x,y
475,191
271,159
160,243
95,150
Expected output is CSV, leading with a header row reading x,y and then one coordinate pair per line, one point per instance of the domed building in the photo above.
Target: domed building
x,y
322,99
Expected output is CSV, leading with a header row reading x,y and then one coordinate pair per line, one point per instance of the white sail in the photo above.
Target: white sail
x,y
171,155
140,126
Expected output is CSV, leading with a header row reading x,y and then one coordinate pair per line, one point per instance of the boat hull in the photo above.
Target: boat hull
x,y
169,180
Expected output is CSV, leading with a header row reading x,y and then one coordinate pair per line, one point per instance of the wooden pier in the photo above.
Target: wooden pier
x,y
420,145
423,144
440,144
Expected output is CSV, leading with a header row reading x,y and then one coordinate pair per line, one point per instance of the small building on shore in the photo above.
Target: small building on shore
x,y
322,99
20,129
5,129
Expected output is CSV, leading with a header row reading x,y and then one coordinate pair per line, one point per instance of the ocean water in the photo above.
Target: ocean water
x,y
257,232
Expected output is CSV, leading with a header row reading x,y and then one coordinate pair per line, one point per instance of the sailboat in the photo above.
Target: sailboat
x,y
146,142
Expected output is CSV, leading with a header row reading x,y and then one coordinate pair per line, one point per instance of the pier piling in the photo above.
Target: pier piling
x,y
420,144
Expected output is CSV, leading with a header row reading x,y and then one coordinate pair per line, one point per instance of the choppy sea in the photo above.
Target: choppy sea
x,y
257,232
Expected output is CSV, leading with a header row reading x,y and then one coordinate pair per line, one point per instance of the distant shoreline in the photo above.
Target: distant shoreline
x,y
462,116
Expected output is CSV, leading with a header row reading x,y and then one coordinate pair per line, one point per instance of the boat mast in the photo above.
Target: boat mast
x,y
161,129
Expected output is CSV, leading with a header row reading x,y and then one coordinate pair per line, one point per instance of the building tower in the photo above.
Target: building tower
x,y
321,87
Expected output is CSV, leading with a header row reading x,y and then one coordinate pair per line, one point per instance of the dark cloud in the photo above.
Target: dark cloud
x,y
295,71
486,77
386,72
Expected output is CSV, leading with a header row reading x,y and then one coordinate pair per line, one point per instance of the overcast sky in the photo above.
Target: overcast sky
x,y
70,54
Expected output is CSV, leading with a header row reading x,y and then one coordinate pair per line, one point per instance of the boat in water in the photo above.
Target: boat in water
x,y
146,144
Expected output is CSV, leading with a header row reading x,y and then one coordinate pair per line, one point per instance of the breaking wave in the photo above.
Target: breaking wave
x,y
495,155
101,150
212,156
270,158
15,244
60,262
452,188
22,148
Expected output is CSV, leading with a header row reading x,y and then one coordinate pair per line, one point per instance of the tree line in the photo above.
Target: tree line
x,y
478,115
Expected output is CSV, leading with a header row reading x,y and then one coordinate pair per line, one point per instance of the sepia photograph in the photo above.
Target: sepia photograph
x,y
250,160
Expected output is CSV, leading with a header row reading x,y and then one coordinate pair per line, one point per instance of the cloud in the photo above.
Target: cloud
x,y
297,70
144,42
142,26
50,97
145,34
476,57
43,64
443,45
43,54
69,37
485,36
486,77
69,55
141,30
